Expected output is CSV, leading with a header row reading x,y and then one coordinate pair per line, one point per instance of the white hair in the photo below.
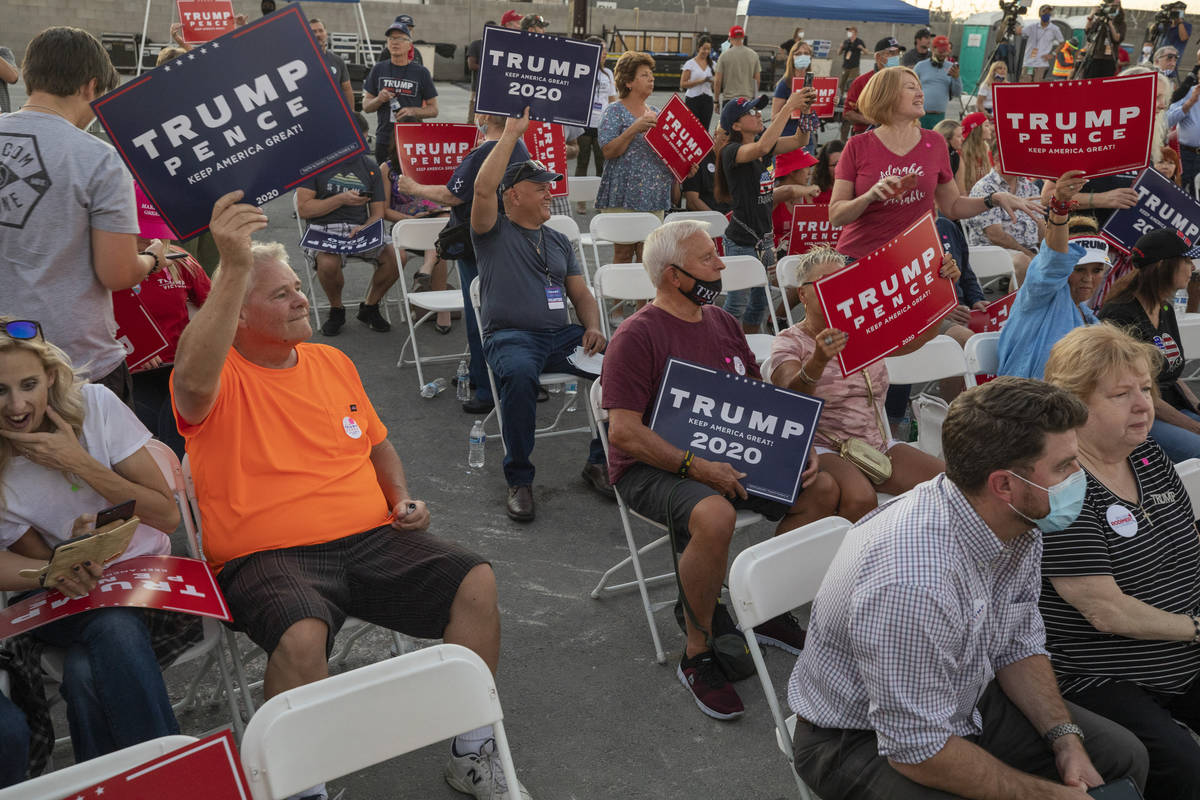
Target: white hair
x,y
806,263
664,246
261,254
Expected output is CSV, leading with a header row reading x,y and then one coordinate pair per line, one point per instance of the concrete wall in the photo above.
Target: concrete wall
x,y
454,21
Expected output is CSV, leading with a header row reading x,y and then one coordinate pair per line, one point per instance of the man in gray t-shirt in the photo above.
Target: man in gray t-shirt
x,y
68,221
527,273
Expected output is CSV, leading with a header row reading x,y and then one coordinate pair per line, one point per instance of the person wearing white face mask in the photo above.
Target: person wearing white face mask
x,y
1121,583
925,673
798,64
851,52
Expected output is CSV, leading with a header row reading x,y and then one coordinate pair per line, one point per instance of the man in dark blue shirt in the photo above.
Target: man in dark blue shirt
x,y
398,90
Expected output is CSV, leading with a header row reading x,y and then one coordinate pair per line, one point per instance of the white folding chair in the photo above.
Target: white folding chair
x,y
747,272
568,228
545,379
353,628
785,274
73,779
744,518
624,282
308,274
982,352
421,234
717,222
1189,340
583,189
940,357
990,263
1189,473
620,228
776,576
347,722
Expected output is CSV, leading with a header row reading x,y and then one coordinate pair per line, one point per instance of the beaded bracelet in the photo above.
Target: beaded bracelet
x,y
687,463
1196,625
1061,208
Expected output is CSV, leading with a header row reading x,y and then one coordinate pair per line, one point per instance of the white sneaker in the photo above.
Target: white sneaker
x,y
481,775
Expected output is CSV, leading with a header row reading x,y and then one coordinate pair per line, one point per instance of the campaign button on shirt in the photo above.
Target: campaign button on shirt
x,y
1122,521
351,428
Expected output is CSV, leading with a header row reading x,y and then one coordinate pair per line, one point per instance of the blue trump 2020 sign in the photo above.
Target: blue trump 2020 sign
x,y
255,109
762,430
1160,204
554,76
369,238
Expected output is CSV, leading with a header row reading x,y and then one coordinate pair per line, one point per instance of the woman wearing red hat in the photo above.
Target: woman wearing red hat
x,y
889,177
978,133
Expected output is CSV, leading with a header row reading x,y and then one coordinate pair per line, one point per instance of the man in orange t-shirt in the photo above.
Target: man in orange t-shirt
x,y
307,514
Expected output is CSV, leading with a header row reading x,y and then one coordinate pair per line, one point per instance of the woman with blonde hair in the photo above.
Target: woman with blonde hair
x,y
635,178
1121,561
889,177
799,62
804,359
67,450
978,135
997,73
951,131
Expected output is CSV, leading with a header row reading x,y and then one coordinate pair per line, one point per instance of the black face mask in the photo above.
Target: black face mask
x,y
702,293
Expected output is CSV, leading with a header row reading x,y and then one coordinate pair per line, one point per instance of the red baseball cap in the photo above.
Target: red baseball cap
x,y
511,16
941,41
972,121
737,32
788,163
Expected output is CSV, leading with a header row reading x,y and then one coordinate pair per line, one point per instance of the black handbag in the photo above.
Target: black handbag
x,y
454,242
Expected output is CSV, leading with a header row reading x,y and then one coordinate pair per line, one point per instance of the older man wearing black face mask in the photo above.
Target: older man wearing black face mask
x,y
681,323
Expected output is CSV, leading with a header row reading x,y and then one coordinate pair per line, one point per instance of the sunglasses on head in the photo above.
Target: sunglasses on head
x,y
24,329
526,170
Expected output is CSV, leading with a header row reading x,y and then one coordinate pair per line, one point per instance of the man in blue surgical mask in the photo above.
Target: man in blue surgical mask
x,y
887,54
1041,42
925,672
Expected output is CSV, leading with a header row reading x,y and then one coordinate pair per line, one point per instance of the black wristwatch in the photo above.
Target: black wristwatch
x,y
1060,730
987,200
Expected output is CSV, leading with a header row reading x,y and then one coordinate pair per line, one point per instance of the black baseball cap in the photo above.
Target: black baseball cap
x,y
397,26
887,43
531,170
1162,244
739,107
405,19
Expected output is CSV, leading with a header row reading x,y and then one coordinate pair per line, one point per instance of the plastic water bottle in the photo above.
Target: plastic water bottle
x,y
904,426
572,391
475,446
554,388
464,382
1180,301
433,388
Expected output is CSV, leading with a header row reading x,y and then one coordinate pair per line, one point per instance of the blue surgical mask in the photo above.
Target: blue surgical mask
x,y
1045,17
801,62
1066,501
894,61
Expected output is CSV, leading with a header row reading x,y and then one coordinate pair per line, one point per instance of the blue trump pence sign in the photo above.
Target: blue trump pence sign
x,y
255,109
1160,204
760,429
554,76
368,239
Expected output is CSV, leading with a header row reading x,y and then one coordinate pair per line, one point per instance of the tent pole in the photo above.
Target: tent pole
x,y
142,43
362,20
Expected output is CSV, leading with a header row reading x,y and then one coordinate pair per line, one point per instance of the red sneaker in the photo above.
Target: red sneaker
x,y
703,678
783,632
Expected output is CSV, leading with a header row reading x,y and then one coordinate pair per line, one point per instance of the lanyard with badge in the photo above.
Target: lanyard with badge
x,y
555,300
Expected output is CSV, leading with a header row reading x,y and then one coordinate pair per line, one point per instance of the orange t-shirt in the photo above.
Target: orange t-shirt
x,y
284,457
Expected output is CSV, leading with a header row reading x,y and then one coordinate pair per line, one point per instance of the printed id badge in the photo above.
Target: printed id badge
x,y
554,298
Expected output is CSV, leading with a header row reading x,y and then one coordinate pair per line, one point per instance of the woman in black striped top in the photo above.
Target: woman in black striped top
x,y
1121,585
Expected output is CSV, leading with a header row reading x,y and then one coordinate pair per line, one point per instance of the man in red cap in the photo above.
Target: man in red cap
x,y
737,69
939,81
512,19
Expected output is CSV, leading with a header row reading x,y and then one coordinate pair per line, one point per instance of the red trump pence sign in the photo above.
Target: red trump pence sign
x,y
547,144
888,298
678,138
1101,126
210,769
811,227
205,20
826,88
429,152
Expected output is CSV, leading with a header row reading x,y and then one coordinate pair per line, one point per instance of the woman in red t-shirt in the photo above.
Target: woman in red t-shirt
x,y
889,177
165,296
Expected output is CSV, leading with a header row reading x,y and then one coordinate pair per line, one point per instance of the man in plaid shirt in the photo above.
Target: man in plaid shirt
x,y
925,672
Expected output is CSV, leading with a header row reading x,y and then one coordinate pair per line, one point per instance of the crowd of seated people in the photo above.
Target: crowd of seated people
x,y
1014,619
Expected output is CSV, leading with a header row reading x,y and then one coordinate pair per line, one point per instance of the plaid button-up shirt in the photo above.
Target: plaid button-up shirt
x,y
920,608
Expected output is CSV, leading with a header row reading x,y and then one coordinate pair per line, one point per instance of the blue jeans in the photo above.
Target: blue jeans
x,y
1189,160
748,305
517,358
114,690
14,743
1180,444
468,270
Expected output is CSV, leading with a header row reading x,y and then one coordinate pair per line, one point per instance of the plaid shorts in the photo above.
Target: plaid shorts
x,y
401,580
